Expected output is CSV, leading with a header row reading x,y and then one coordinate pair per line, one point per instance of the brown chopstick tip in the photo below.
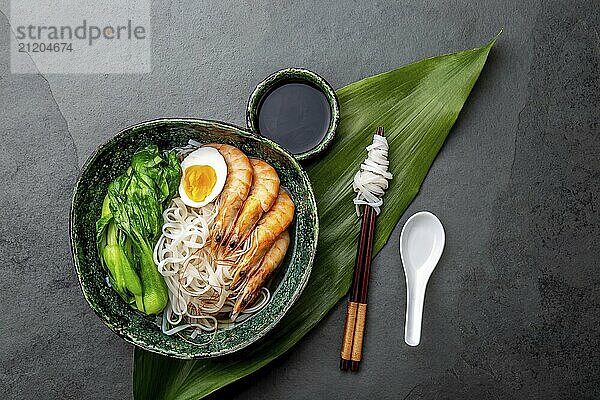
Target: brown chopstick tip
x,y
344,364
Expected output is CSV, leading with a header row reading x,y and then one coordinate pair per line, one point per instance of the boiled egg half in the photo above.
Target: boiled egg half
x,y
203,175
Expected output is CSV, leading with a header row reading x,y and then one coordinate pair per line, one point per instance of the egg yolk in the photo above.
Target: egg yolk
x,y
199,181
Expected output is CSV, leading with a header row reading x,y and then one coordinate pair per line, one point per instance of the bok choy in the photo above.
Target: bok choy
x,y
131,223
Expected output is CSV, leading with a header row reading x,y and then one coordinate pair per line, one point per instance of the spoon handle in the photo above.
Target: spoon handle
x,y
415,297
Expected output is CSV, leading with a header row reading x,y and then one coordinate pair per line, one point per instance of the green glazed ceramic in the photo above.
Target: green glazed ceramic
x,y
111,159
289,75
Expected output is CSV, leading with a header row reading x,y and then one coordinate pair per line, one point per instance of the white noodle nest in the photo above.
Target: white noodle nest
x,y
371,181
198,285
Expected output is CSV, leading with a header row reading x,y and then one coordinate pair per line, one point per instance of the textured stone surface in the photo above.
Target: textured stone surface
x,y
512,311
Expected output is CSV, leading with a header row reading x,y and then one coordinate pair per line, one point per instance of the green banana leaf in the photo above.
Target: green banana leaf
x,y
417,104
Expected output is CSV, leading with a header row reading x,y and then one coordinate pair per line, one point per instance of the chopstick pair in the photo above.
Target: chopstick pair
x,y
354,327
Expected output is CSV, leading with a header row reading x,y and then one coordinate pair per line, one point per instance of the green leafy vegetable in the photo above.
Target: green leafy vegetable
x,y
130,224
417,104
123,277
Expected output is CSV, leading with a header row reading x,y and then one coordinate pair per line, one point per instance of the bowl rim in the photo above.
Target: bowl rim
x,y
244,132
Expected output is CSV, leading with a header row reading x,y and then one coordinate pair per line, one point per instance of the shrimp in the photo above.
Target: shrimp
x,y
257,279
270,226
263,193
235,191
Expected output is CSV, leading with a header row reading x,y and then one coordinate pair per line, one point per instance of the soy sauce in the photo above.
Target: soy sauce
x,y
295,115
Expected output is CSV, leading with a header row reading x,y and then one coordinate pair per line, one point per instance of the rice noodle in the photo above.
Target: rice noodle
x,y
199,295
371,181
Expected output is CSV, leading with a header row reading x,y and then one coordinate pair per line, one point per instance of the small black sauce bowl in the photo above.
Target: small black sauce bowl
x,y
295,75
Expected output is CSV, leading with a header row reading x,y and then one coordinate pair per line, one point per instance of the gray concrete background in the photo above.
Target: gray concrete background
x,y
512,312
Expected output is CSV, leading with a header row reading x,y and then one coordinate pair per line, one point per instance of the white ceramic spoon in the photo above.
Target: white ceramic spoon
x,y
421,245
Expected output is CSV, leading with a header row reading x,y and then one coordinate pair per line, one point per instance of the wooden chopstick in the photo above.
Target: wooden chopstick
x,y
348,336
351,352
361,312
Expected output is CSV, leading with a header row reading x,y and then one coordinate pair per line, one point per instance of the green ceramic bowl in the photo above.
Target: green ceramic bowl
x,y
289,75
111,159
